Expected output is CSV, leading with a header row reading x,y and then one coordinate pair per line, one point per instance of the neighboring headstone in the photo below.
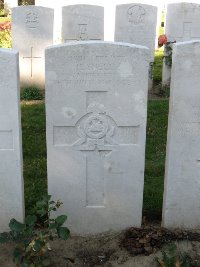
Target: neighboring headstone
x,y
82,22
56,5
182,24
32,32
96,105
182,177
136,23
11,178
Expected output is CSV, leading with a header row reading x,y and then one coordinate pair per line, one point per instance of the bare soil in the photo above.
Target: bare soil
x,y
115,249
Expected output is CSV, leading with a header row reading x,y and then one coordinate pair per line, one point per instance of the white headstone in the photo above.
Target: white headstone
x,y
32,32
11,178
136,23
182,24
182,177
56,5
82,22
96,100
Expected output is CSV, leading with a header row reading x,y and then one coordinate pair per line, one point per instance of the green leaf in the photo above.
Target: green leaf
x,y
60,220
31,220
53,226
63,232
16,226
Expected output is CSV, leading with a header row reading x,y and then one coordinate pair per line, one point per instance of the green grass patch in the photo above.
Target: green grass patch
x,y
35,165
155,157
157,70
34,153
31,93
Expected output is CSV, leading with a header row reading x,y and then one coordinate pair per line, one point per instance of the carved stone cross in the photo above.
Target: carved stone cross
x,y
82,34
96,132
31,57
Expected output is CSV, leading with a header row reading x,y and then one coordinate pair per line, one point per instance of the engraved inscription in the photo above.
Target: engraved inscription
x,y
32,20
6,140
31,58
136,14
83,32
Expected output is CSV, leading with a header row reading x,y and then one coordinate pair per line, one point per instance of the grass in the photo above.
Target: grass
x,y
35,166
34,153
157,71
155,157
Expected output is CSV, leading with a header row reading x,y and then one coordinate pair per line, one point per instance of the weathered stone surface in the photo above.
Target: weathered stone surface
x,y
182,20
56,5
11,179
82,22
96,99
32,32
182,24
136,23
182,178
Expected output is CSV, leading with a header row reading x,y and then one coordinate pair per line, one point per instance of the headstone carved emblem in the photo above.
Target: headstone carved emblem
x,y
96,127
32,20
136,14
83,28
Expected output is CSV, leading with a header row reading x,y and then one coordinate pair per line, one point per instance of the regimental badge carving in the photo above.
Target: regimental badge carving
x,y
83,28
32,20
96,128
136,14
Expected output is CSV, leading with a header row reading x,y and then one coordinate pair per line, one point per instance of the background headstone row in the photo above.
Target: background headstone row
x,y
96,108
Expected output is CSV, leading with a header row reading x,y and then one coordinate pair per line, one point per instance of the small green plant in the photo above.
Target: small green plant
x,y
33,237
168,53
173,258
31,93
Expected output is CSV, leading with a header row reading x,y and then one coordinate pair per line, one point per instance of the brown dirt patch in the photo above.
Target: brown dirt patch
x,y
115,249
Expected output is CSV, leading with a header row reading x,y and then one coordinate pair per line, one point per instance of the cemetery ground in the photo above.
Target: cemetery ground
x,y
109,249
